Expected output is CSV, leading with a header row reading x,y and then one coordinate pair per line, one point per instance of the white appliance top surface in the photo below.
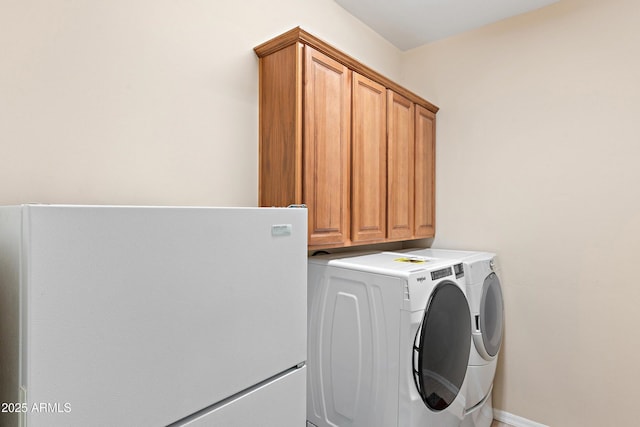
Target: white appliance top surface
x,y
387,263
112,207
462,256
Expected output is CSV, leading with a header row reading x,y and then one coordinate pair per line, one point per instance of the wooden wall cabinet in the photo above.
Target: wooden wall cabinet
x,y
355,147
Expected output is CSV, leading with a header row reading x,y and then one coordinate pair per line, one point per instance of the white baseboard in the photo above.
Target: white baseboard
x,y
514,420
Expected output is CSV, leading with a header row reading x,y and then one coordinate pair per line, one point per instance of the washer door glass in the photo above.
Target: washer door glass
x,y
491,315
442,344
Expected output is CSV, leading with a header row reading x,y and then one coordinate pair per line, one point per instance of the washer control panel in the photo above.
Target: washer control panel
x,y
442,273
459,270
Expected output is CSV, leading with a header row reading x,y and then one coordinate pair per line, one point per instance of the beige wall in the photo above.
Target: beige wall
x,y
537,159
146,102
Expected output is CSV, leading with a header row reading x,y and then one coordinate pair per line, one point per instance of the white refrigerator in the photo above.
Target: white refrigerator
x,y
152,316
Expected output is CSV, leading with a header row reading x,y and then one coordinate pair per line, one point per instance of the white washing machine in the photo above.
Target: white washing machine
x,y
487,315
388,343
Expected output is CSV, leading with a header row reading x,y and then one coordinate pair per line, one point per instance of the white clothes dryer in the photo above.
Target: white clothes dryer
x,y
389,341
484,294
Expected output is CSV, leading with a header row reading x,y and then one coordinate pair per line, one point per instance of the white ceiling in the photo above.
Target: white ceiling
x,y
412,23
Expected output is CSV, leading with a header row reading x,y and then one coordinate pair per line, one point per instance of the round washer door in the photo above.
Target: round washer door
x,y
442,345
491,319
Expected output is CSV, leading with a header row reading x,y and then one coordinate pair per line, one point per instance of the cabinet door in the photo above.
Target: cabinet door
x,y
326,142
425,167
400,197
368,165
280,167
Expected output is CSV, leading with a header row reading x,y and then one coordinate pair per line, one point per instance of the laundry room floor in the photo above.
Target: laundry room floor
x,y
499,424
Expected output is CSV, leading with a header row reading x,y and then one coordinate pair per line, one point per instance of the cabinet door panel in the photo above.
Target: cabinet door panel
x,y
280,167
425,166
400,197
368,177
326,148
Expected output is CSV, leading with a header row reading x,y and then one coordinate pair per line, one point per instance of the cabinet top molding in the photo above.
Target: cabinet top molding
x,y
298,35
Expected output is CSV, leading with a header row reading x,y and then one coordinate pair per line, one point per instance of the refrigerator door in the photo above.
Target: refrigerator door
x,y
143,316
276,404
